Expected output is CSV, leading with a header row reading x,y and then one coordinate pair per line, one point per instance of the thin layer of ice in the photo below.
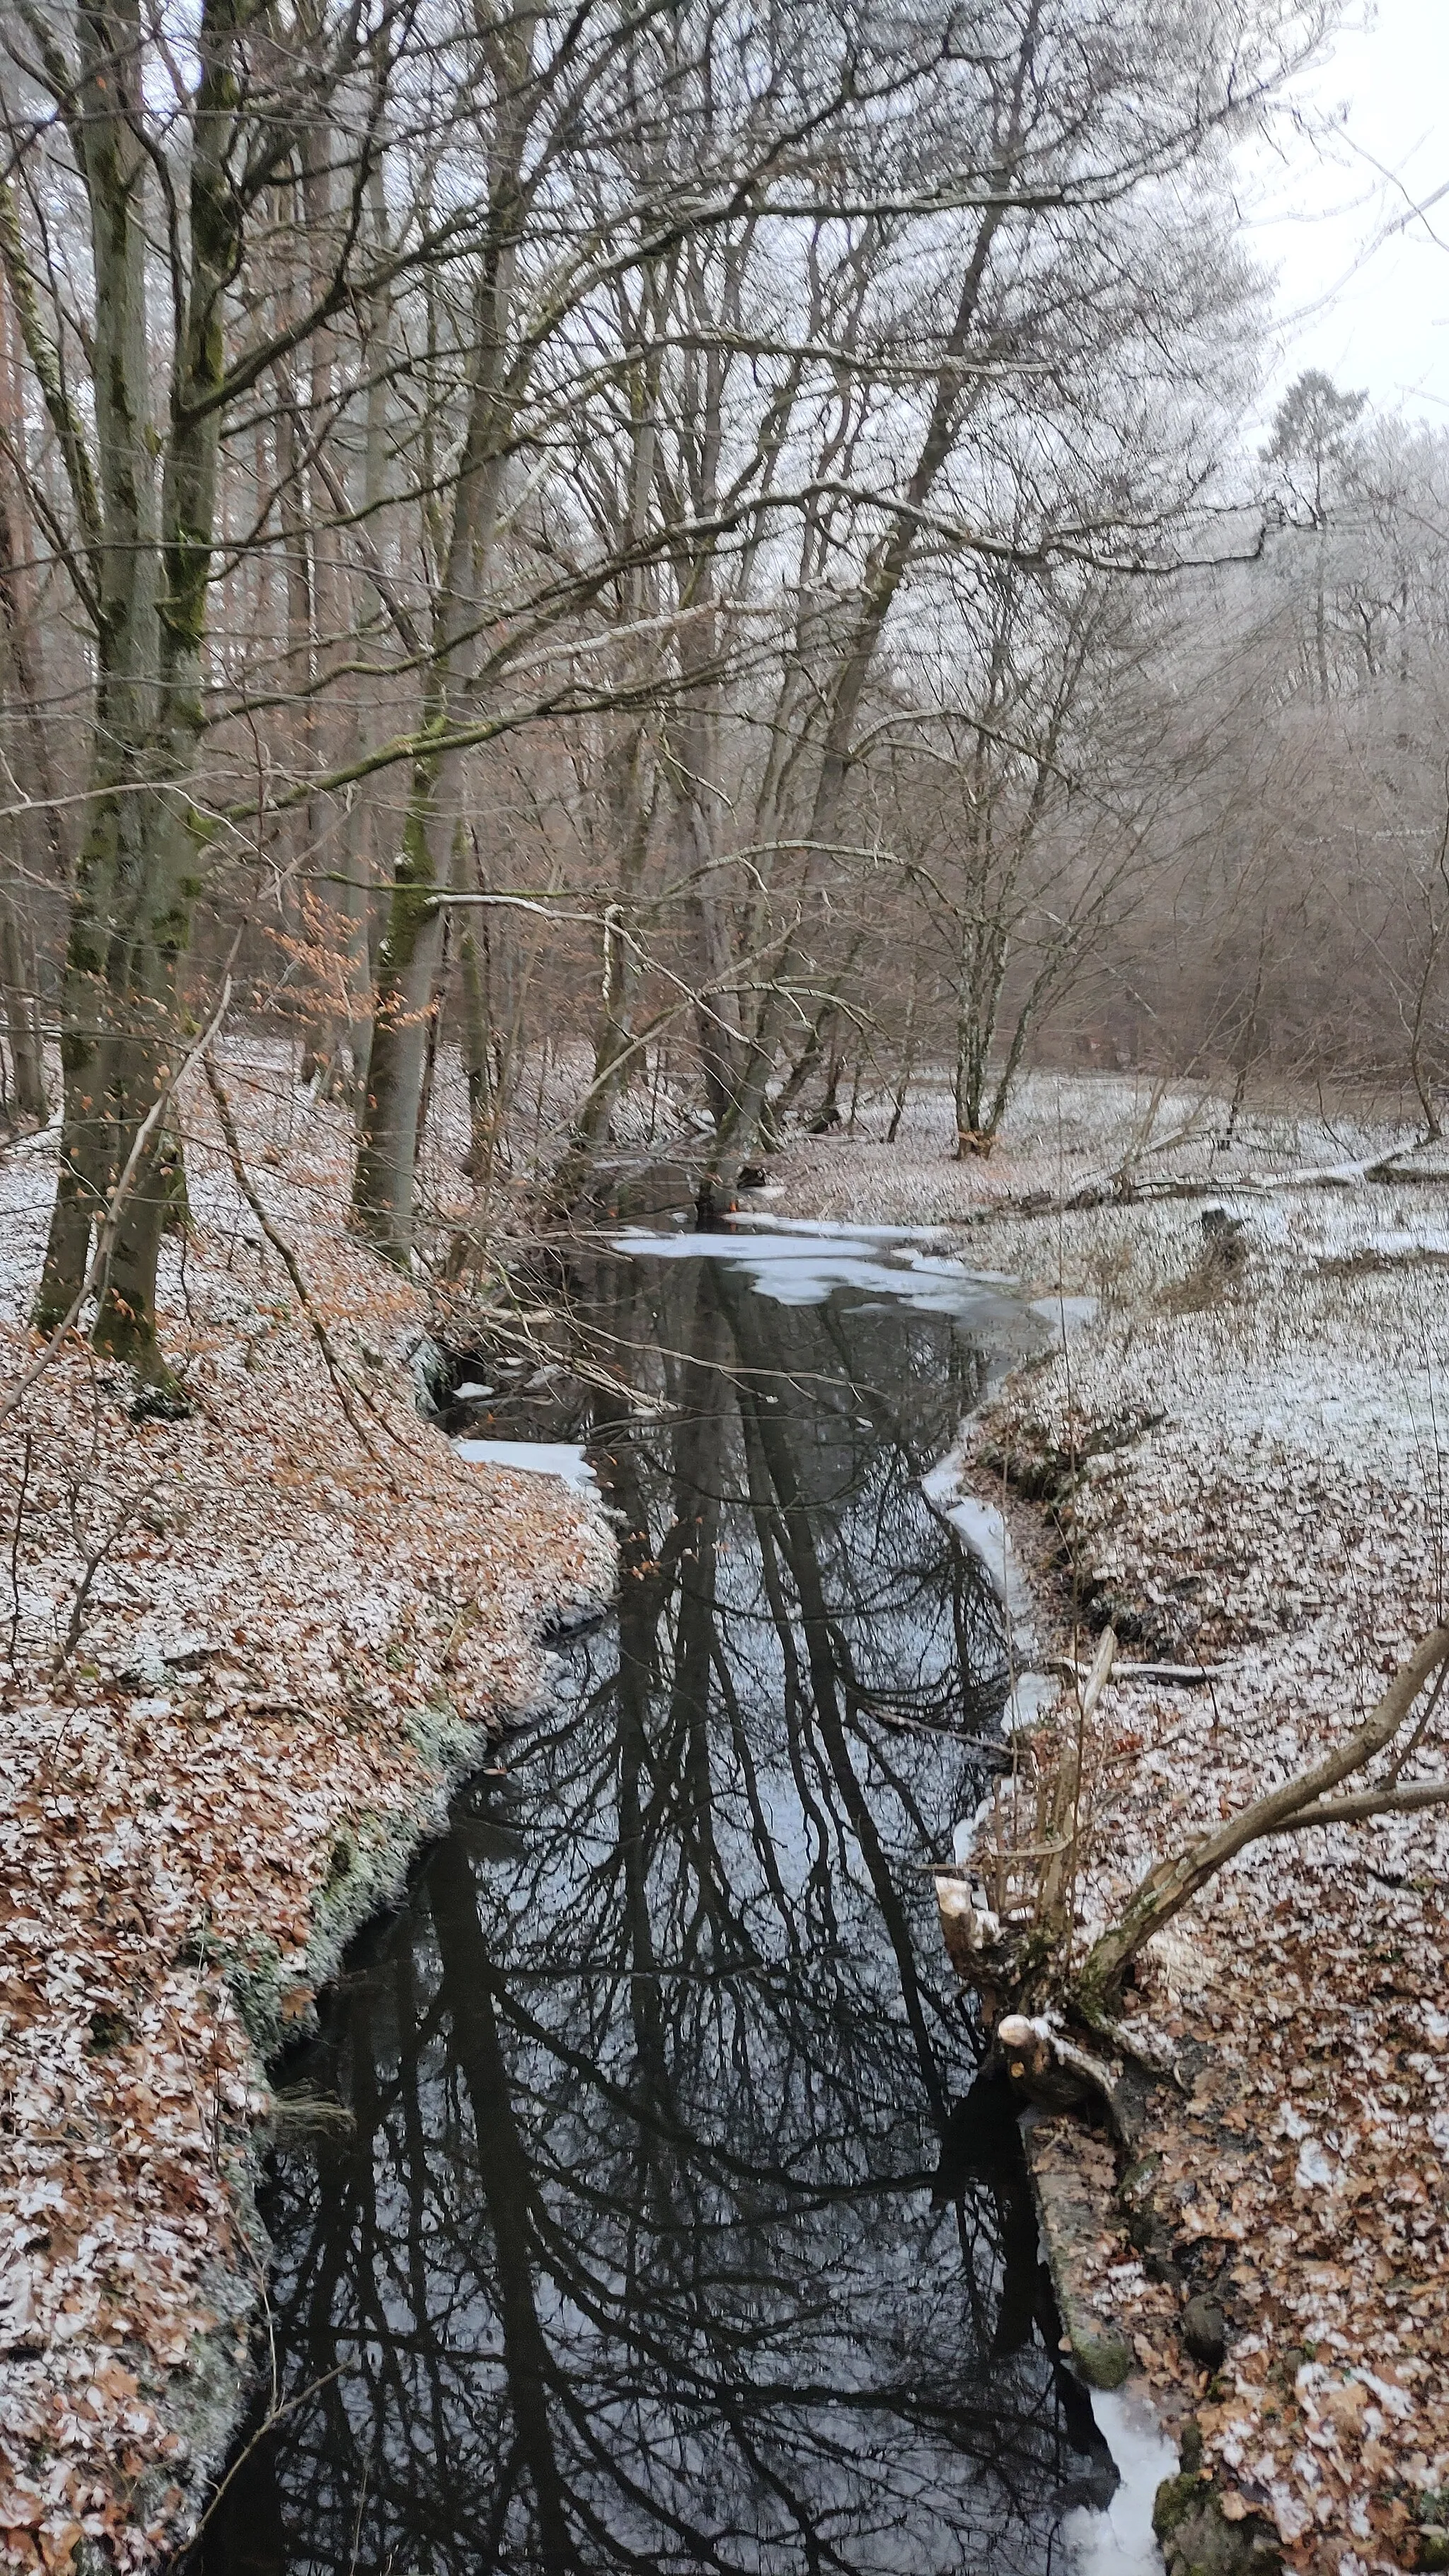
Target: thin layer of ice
x,y
767,1224
1118,2539
562,1458
984,1531
1029,1694
799,1266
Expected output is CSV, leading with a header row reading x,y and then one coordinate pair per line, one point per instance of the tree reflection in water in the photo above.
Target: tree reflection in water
x,y
673,2236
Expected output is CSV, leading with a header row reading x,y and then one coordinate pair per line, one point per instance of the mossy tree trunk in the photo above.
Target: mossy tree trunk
x,y
147,509
144,500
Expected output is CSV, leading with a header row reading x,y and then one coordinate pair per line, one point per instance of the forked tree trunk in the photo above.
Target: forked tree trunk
x,y
138,874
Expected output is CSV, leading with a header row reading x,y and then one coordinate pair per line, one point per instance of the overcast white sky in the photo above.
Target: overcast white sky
x,y
1374,318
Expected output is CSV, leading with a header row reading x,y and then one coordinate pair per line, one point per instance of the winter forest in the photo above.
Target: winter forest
x,y
701,560
724,1047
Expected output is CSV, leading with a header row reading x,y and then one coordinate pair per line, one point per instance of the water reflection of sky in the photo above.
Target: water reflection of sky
x,y
672,2235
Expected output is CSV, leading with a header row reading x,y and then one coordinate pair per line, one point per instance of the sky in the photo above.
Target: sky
x,y
1362,293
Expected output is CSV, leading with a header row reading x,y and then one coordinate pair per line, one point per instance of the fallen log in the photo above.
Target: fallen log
x,y
1015,1958
1299,1803
1128,1188
1179,1676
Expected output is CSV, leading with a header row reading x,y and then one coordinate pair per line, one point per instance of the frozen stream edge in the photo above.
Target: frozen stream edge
x,y
1115,2539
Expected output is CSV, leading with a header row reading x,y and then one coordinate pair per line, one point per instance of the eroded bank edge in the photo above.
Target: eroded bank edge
x,y
1202,2529
205,2399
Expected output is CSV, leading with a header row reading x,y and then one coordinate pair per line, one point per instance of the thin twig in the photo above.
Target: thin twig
x,y
290,1264
268,2424
20,1502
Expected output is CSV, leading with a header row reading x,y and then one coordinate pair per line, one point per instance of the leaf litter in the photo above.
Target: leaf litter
x,y
287,1647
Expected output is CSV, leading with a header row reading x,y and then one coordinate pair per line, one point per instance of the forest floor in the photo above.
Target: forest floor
x,y
1274,1510
243,1656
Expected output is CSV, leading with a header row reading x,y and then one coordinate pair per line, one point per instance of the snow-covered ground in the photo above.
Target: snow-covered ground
x,y
1278,1513
288,1635
241,1656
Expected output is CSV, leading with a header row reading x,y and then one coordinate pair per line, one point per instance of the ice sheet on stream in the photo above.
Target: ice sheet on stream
x,y
799,1266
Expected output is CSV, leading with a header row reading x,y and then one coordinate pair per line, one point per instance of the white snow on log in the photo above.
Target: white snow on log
x,y
563,1458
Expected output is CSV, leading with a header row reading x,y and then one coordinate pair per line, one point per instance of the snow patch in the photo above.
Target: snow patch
x,y
1118,2539
1028,1696
563,1458
1065,1314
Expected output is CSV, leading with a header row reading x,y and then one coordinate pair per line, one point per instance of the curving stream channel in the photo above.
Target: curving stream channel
x,y
672,2231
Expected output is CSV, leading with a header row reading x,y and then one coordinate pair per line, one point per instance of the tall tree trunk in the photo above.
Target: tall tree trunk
x,y
324,908
476,1022
382,1199
21,1026
358,839
885,572
982,972
629,795
137,878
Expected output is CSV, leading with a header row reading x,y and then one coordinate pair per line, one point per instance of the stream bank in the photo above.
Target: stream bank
x,y
1241,1465
250,1654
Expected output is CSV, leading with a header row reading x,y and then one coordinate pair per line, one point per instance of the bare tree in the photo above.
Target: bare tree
x,y
147,158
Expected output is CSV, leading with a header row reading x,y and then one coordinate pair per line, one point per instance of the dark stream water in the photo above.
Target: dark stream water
x,y
675,2232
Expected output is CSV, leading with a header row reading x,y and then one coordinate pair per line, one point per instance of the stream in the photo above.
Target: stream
x,y
672,2229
